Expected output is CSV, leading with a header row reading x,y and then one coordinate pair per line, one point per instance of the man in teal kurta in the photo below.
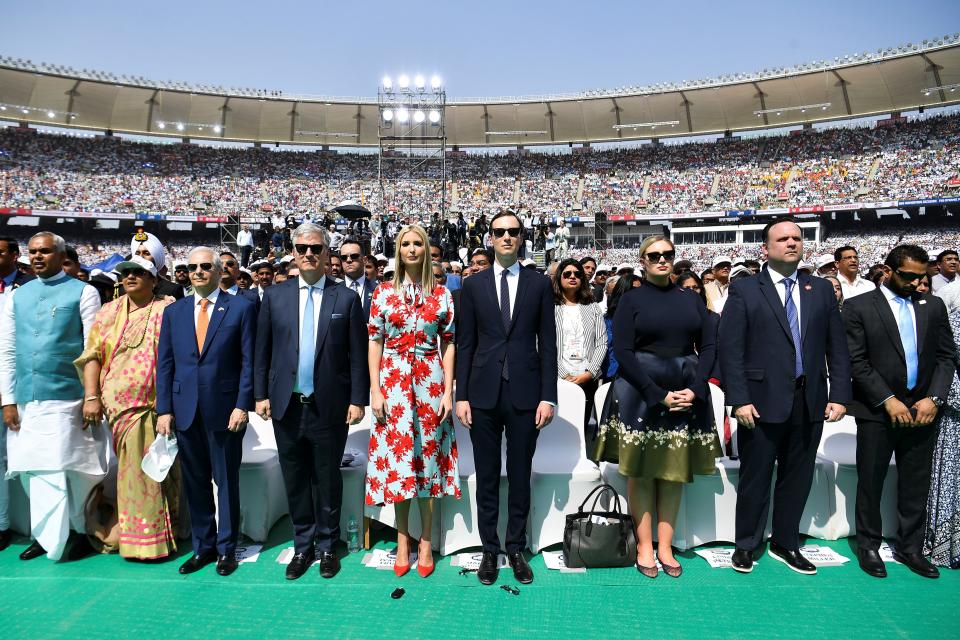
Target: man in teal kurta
x,y
57,458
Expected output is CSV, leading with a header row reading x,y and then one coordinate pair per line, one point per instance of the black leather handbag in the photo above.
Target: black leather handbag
x,y
595,539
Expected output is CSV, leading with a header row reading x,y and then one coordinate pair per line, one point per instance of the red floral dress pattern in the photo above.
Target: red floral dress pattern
x,y
412,454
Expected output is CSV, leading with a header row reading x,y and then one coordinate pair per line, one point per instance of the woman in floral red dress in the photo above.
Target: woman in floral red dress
x,y
413,450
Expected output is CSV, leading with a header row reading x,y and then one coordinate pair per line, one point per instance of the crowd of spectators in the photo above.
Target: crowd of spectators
x,y
905,160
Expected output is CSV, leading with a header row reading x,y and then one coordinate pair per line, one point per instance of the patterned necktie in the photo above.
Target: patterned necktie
x,y
505,313
203,321
908,337
791,310
307,343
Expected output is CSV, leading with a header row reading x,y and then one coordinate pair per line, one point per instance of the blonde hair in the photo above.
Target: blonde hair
x,y
426,271
651,240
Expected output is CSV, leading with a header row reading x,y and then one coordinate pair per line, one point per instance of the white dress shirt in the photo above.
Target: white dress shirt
x,y
360,282
938,281
513,279
244,238
855,288
232,290
892,300
89,306
317,290
210,307
794,293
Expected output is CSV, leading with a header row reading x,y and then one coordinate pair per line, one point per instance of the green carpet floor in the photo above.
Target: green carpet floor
x,y
107,597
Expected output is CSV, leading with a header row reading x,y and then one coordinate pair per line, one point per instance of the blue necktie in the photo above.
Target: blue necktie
x,y
908,338
307,344
505,313
791,310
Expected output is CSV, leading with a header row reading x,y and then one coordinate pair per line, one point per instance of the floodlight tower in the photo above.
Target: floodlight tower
x,y
411,133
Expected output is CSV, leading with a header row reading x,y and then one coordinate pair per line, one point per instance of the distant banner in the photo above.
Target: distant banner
x,y
928,201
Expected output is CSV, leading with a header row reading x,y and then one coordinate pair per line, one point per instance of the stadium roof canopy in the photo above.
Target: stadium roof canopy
x,y
889,80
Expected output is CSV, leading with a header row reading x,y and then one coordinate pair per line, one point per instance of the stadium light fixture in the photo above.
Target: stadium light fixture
x,y
419,82
648,125
161,125
387,83
403,115
388,115
51,114
326,134
403,81
217,128
434,116
419,116
180,126
516,133
802,109
947,87
435,82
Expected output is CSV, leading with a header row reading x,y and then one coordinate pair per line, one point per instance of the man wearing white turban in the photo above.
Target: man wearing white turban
x,y
146,245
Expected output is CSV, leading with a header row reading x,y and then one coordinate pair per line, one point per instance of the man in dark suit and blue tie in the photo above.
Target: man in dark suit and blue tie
x,y
354,278
312,379
781,336
204,391
506,381
902,357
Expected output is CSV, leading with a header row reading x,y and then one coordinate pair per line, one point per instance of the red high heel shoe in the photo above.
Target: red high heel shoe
x,y
401,569
424,570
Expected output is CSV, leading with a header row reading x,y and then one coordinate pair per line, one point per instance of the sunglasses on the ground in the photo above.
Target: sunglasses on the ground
x,y
302,248
513,231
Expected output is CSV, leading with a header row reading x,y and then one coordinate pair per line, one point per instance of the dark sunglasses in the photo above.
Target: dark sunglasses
x,y
229,263
654,256
203,266
570,274
513,231
136,273
909,277
349,257
302,249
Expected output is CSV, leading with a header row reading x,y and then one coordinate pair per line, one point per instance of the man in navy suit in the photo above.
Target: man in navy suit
x,y
354,279
204,391
228,280
506,380
780,337
311,377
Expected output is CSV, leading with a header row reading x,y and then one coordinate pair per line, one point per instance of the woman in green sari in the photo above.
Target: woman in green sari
x,y
118,372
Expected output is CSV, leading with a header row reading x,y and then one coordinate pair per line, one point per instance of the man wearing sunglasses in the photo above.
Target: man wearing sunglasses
x,y
901,349
229,277
506,380
204,394
354,273
312,380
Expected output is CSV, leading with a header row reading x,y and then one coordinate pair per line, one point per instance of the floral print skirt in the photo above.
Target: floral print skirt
x,y
650,441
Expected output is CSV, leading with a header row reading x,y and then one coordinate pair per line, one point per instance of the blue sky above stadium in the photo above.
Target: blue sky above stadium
x,y
492,48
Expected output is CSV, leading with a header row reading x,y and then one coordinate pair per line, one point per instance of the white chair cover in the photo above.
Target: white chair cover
x,y
562,475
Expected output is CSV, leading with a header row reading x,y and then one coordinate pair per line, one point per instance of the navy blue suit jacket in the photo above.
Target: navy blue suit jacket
x,y
757,357
340,373
215,381
529,344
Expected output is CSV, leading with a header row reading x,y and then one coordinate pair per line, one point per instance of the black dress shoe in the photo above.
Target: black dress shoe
x,y
80,548
227,564
299,565
197,562
871,563
488,569
33,551
742,560
917,563
792,559
521,570
329,564
5,536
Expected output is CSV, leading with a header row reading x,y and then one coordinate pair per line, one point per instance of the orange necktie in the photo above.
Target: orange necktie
x,y
202,322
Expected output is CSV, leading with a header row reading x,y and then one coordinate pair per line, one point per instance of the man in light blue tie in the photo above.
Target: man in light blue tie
x,y
310,377
901,355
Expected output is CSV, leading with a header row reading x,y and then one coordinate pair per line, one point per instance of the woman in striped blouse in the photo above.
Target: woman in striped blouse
x,y
581,332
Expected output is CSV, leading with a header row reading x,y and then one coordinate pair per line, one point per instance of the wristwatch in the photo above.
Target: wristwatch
x,y
937,401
